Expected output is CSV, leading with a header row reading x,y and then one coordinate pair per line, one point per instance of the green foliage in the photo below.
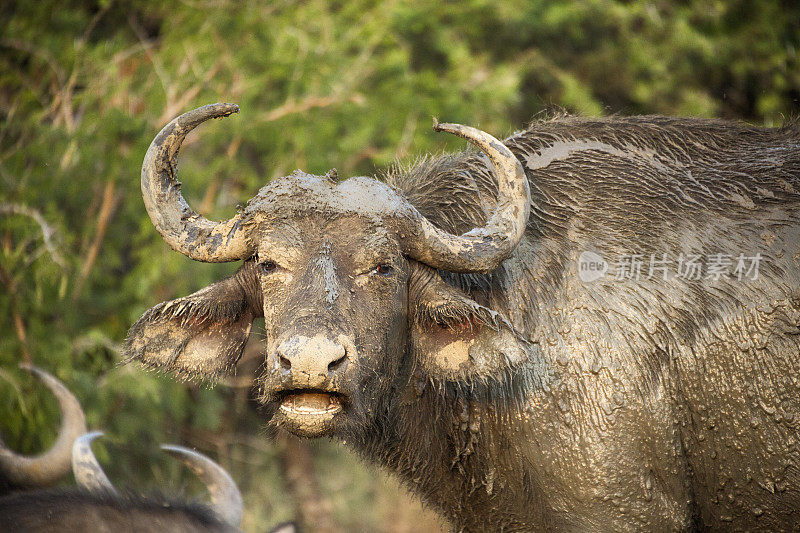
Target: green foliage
x,y
85,86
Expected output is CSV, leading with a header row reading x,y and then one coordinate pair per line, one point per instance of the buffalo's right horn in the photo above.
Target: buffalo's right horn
x,y
47,468
181,227
226,500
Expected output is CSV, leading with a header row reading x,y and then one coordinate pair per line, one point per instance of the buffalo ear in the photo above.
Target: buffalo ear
x,y
454,337
200,335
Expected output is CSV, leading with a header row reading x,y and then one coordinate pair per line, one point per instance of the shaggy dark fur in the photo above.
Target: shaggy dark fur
x,y
79,512
720,357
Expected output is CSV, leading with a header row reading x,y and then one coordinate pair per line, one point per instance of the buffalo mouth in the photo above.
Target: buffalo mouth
x,y
310,413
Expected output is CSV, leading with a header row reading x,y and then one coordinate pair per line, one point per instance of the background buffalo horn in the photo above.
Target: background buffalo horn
x,y
47,468
181,227
480,249
87,471
226,500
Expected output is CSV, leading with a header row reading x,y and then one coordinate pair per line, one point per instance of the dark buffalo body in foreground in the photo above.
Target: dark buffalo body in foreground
x,y
550,378
78,511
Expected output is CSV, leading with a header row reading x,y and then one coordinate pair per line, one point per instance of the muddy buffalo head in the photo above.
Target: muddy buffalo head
x,y
346,276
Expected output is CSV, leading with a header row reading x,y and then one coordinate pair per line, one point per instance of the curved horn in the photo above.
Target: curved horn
x,y
181,227
87,471
226,499
47,468
480,249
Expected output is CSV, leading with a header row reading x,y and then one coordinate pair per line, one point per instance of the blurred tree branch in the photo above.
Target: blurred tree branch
x,y
306,104
16,317
298,467
106,210
48,232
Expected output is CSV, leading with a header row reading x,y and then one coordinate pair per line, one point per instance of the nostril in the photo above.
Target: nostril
x,y
285,363
337,364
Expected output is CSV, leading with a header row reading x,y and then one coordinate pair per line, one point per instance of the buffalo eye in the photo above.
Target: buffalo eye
x,y
268,267
383,269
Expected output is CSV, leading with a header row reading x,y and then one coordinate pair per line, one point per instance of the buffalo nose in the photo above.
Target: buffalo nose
x,y
312,357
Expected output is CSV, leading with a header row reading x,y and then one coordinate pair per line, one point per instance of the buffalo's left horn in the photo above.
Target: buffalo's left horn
x,y
47,468
480,249
87,471
226,500
180,226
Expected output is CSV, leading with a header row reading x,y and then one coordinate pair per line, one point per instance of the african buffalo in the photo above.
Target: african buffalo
x,y
459,322
26,505
97,506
